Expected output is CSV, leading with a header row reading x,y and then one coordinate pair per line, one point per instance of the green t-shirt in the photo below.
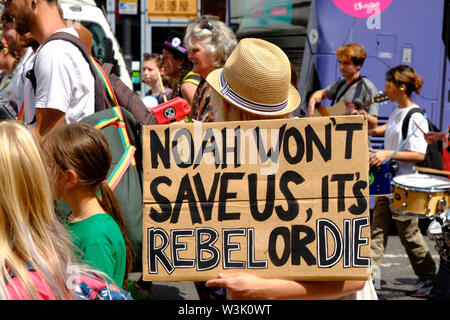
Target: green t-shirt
x,y
101,244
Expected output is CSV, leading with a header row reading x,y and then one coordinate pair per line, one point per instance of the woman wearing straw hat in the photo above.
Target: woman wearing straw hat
x,y
209,42
255,84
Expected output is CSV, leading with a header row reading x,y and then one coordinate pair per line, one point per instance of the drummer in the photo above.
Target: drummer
x,y
401,82
443,136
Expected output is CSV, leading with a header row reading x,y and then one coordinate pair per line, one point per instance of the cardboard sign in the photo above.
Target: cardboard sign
x,y
278,198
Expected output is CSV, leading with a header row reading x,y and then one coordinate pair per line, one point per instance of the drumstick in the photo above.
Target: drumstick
x,y
431,170
419,127
162,87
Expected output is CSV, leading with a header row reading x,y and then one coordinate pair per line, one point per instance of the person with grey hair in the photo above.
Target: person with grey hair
x,y
209,42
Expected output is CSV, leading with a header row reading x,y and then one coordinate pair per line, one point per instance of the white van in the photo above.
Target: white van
x,y
105,46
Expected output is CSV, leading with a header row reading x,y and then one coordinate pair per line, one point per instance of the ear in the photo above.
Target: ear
x,y
402,87
70,179
216,56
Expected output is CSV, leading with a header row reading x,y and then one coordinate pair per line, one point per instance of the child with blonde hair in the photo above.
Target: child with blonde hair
x,y
36,255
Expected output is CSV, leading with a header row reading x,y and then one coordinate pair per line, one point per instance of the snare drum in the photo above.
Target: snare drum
x,y
380,178
420,195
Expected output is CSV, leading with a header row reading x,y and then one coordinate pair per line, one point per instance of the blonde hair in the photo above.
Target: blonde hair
x,y
30,233
352,52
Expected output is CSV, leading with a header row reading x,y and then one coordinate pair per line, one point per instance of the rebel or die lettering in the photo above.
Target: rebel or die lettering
x,y
297,243
207,254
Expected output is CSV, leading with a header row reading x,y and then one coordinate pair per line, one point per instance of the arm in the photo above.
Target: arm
x,y
372,122
250,287
46,120
379,156
188,91
378,131
431,137
316,97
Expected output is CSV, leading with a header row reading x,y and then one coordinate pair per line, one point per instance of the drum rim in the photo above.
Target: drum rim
x,y
420,189
414,215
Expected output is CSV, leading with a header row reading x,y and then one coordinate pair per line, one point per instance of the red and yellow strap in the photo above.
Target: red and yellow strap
x,y
128,156
119,122
121,168
105,80
21,114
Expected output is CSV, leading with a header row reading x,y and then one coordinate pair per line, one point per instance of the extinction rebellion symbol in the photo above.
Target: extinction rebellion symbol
x,y
169,113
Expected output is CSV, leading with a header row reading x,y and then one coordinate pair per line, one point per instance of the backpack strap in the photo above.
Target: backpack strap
x,y
77,42
408,115
406,121
125,161
127,158
339,86
105,80
21,114
108,68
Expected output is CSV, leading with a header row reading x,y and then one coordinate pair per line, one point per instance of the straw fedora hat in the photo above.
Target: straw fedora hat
x,y
257,78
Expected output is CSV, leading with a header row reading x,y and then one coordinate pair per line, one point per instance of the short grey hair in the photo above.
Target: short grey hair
x,y
216,38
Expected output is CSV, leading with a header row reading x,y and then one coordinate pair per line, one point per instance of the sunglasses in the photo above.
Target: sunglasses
x,y
207,25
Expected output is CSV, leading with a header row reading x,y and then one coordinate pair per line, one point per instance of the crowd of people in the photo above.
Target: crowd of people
x,y
46,88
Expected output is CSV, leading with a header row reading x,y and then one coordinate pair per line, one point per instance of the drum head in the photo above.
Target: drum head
x,y
425,182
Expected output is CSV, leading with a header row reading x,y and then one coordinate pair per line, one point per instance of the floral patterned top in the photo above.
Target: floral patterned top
x,y
202,109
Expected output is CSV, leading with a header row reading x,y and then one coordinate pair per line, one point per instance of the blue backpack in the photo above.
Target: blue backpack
x,y
87,288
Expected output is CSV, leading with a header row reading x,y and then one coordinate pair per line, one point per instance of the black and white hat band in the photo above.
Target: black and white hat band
x,y
246,103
